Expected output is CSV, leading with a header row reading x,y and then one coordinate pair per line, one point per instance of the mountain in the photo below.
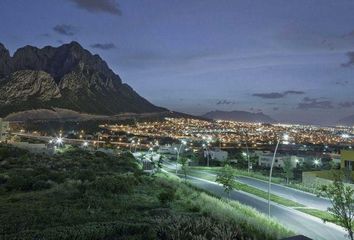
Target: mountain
x,y
66,77
240,116
347,121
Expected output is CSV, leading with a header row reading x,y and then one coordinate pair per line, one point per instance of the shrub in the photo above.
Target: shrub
x,y
196,228
86,175
167,196
19,183
40,185
115,184
3,178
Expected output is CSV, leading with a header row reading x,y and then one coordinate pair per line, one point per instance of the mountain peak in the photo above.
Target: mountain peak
x,y
84,80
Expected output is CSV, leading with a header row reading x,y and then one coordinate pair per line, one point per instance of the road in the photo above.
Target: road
x,y
301,197
296,221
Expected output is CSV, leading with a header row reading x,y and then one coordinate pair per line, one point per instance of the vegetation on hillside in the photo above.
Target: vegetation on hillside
x,y
82,195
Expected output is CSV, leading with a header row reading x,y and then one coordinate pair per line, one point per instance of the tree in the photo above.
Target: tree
x,y
288,170
342,201
226,177
184,162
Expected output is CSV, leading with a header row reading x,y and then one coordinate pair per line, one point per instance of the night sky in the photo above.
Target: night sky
x,y
290,59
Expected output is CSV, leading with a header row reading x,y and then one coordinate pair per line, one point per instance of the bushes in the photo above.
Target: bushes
x,y
115,184
41,185
167,196
19,183
196,228
110,230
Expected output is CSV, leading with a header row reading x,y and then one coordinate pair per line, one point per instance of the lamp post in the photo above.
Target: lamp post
x,y
285,138
248,153
178,150
131,143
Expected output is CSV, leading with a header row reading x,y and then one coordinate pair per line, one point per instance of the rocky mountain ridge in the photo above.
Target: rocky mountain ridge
x,y
68,77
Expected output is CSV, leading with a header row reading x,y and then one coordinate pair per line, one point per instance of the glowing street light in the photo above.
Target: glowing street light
x,y
183,143
85,144
316,162
285,138
59,141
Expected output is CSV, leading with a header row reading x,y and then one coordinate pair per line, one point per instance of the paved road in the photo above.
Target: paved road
x,y
301,197
296,221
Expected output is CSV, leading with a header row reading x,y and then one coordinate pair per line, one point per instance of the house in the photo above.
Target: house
x,y
216,154
171,149
265,160
37,148
347,160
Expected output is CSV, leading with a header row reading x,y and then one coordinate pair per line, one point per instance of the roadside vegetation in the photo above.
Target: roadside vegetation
x,y
80,195
249,189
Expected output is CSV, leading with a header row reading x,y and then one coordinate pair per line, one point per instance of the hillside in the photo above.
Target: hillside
x,y
67,77
83,195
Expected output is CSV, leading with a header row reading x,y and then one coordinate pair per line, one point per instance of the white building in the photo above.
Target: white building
x,y
4,129
216,154
171,149
37,148
265,160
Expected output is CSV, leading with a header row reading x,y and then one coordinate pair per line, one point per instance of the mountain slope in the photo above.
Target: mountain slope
x,y
348,121
241,116
64,77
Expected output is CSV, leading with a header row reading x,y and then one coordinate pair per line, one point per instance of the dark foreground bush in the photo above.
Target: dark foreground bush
x,y
115,184
196,228
111,230
167,196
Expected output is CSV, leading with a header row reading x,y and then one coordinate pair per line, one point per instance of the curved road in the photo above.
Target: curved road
x,y
298,196
296,221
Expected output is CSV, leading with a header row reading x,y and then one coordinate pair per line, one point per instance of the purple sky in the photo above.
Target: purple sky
x,y
288,59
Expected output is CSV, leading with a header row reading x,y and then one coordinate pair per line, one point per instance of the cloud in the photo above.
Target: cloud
x,y
310,103
347,104
342,83
272,95
95,6
294,92
225,102
350,61
275,108
276,95
103,46
65,29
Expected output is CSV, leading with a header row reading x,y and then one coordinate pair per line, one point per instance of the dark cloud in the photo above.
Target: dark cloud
x,y
225,102
275,108
342,83
276,95
273,95
350,61
103,46
94,6
65,29
347,104
310,103
294,92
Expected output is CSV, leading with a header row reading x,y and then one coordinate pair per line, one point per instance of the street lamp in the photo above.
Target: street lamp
x,y
59,141
183,143
285,138
248,153
85,144
131,143
316,162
